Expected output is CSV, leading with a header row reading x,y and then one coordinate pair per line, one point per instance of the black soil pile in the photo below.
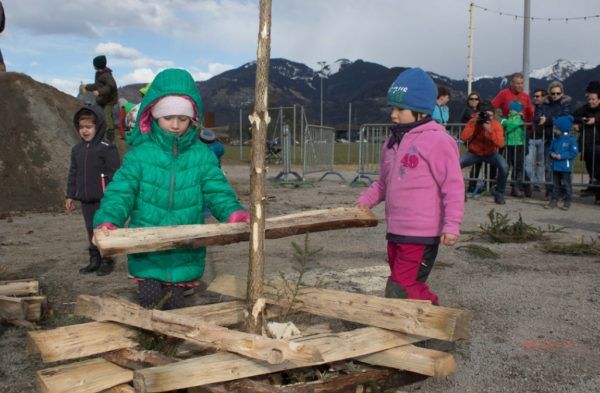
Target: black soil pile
x,y
36,136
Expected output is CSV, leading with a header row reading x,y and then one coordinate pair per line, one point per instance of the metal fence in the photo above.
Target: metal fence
x,y
587,163
318,151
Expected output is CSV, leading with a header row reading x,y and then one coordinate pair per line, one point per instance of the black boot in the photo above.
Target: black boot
x,y
394,290
106,267
92,266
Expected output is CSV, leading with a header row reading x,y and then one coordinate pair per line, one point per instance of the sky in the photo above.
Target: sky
x,y
54,41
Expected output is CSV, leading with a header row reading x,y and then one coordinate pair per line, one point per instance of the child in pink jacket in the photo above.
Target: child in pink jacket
x,y
422,185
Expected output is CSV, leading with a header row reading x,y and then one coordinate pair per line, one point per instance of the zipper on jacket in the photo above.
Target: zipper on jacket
x,y
172,186
85,157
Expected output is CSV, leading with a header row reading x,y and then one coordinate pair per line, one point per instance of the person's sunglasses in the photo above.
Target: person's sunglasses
x,y
474,99
556,94
537,96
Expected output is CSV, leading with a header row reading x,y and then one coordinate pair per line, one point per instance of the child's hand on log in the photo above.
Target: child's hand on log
x,y
239,216
448,239
105,228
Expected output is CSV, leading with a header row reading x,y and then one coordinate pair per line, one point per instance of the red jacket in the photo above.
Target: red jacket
x,y
482,142
506,96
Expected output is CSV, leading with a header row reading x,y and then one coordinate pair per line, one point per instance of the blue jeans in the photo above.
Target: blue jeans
x,y
534,165
562,184
495,160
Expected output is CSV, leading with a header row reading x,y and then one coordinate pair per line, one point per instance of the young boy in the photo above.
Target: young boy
x,y
514,128
422,185
563,150
93,163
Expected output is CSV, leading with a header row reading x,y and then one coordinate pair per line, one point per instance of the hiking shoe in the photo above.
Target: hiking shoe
x,y
499,199
188,291
106,267
528,193
551,205
566,206
586,192
516,193
92,266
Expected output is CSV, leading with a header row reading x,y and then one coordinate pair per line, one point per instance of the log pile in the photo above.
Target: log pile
x,y
21,302
216,358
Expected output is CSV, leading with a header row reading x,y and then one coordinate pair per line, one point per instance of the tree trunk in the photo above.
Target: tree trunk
x,y
260,121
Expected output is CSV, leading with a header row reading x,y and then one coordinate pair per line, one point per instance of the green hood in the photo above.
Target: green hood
x,y
171,81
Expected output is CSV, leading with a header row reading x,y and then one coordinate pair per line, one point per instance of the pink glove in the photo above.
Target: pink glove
x,y
108,225
239,216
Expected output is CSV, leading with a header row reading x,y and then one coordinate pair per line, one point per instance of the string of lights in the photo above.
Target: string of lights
x,y
552,19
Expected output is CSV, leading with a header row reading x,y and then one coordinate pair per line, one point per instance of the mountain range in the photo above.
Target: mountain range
x,y
362,83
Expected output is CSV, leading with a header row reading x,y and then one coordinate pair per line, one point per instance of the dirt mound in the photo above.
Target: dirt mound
x,y
36,136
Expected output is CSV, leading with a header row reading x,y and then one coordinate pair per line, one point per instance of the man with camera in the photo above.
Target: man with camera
x,y
484,136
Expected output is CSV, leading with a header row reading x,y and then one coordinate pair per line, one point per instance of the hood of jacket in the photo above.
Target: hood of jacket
x,y
168,82
100,124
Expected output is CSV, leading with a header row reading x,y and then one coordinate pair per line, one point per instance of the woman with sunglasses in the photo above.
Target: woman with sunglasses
x,y
473,106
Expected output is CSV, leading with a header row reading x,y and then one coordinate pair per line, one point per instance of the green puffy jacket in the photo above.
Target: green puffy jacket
x,y
514,129
167,180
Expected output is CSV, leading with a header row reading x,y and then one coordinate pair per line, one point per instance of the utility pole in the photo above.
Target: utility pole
x,y
526,31
260,121
470,53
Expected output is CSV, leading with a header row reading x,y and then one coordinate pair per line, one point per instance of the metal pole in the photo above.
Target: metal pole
x,y
349,144
526,31
294,136
241,138
470,54
321,100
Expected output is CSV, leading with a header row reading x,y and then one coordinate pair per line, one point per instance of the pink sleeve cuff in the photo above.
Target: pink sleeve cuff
x,y
107,225
239,216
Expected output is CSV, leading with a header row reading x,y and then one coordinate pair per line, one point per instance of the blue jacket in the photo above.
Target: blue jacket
x,y
566,146
441,114
552,110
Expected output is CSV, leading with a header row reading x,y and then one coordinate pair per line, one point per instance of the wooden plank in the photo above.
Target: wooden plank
x,y
134,240
34,307
419,318
222,367
124,388
12,308
22,287
415,359
76,341
134,359
89,376
110,308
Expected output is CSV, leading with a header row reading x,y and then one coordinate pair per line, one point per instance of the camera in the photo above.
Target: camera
x,y
482,117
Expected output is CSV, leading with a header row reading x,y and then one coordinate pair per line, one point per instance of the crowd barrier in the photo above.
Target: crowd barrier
x,y
318,151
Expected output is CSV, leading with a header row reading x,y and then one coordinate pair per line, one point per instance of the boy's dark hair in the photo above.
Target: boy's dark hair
x,y
87,114
443,91
541,90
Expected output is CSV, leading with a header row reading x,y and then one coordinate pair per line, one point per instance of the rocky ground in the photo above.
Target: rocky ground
x,y
535,316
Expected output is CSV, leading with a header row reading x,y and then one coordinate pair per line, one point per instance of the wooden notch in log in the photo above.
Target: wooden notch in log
x,y
223,367
194,329
12,308
134,359
134,240
419,318
23,287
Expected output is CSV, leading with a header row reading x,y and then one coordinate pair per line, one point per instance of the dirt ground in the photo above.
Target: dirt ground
x,y
535,316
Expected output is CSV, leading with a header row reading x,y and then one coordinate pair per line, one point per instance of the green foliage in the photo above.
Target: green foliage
x,y
157,342
580,248
479,251
501,230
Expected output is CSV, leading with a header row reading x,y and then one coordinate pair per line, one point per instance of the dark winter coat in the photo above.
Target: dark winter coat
x,y
106,86
89,160
589,134
566,146
467,114
552,110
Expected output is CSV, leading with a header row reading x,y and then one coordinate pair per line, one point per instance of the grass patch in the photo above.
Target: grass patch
x,y
500,229
478,251
581,248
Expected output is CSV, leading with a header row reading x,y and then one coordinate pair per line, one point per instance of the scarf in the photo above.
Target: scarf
x,y
399,130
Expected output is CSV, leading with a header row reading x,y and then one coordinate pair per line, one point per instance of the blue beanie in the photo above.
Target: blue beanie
x,y
515,106
413,89
564,123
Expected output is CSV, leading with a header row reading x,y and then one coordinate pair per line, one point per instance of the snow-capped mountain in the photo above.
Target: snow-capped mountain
x,y
561,69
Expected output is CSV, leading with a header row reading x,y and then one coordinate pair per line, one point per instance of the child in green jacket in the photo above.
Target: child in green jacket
x,y
168,178
514,139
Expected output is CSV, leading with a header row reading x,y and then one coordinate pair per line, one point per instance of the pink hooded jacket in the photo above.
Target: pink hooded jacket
x,y
422,184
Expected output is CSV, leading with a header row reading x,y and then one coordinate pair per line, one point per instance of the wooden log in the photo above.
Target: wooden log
x,y
34,307
134,240
194,329
124,388
415,359
419,318
137,359
89,376
23,287
222,367
76,341
12,308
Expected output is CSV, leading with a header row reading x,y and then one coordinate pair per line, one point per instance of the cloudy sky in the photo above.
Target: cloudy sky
x,y
55,40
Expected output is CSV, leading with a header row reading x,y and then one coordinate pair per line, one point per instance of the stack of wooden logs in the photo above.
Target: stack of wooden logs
x,y
392,327
20,302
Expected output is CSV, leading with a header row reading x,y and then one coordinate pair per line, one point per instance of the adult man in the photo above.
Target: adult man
x,y
587,119
105,90
512,93
534,164
2,24
484,136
